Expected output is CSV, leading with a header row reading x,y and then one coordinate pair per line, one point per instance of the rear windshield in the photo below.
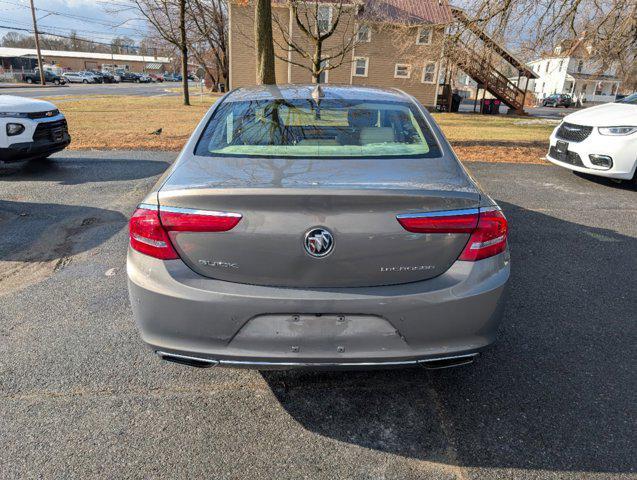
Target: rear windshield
x,y
330,128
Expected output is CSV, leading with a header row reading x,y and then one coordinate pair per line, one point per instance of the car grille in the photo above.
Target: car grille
x,y
572,132
566,157
54,131
48,113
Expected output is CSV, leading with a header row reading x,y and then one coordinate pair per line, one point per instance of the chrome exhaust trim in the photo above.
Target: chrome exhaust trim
x,y
197,362
429,363
448,362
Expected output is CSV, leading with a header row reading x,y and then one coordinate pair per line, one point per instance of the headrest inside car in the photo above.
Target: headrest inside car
x,y
362,117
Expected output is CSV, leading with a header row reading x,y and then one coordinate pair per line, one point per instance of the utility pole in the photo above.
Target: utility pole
x,y
37,44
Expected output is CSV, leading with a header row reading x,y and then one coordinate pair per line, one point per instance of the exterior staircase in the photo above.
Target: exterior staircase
x,y
482,66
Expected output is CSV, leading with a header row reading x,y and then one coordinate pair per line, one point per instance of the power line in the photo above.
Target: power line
x,y
8,27
102,22
68,29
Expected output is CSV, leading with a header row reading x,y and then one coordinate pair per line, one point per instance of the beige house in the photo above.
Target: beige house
x,y
402,48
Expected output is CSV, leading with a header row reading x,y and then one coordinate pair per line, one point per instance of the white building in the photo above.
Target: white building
x,y
572,69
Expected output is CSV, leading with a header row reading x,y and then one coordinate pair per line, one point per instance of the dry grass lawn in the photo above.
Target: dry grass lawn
x,y
115,122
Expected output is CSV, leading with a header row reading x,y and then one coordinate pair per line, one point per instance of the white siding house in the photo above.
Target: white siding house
x,y
573,74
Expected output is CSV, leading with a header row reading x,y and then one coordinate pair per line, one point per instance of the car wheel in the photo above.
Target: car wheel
x,y
56,81
29,80
85,81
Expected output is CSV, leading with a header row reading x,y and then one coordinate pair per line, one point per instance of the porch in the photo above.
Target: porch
x,y
595,88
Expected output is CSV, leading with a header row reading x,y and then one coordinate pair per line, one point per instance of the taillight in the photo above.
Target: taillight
x,y
488,239
148,236
191,220
454,221
149,227
488,229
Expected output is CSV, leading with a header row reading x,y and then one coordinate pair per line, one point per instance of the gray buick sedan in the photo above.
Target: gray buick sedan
x,y
317,227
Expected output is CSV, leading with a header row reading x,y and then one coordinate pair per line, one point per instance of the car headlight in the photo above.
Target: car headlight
x,y
13,115
14,129
617,130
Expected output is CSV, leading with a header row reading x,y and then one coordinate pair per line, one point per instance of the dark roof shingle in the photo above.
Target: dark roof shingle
x,y
415,12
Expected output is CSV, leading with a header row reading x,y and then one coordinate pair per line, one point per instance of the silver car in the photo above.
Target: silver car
x,y
317,227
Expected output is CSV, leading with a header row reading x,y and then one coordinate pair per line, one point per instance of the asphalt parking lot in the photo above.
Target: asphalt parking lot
x,y
81,397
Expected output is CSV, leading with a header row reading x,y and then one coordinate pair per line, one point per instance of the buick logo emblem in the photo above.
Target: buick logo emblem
x,y
319,242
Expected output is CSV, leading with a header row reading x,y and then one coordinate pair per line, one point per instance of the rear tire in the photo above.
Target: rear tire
x,y
29,80
56,81
85,81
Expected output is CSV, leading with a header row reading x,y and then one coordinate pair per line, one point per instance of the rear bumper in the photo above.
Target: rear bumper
x,y
181,313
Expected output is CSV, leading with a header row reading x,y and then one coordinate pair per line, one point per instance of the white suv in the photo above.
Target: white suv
x,y
600,140
30,129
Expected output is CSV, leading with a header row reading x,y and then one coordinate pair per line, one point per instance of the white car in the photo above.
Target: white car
x,y
600,140
30,129
78,77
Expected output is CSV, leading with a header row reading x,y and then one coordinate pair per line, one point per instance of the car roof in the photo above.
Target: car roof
x,y
291,92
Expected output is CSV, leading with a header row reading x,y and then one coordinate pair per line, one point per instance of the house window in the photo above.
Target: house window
x,y
599,88
402,70
424,36
364,34
558,50
360,66
580,65
324,18
429,73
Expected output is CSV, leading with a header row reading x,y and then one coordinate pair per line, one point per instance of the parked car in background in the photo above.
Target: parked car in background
x,y
558,100
171,77
125,76
281,238
157,77
92,77
600,140
30,129
144,78
74,77
99,78
49,77
109,77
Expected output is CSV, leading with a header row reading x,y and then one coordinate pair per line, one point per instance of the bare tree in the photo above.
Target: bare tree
x,y
264,47
161,15
208,20
319,47
534,26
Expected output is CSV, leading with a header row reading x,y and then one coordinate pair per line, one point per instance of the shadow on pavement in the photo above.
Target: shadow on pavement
x,y
555,394
74,171
623,185
42,232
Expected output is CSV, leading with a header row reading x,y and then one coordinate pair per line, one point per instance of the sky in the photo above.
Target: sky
x,y
98,20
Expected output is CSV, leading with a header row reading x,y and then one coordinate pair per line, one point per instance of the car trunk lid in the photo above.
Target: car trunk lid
x,y
282,202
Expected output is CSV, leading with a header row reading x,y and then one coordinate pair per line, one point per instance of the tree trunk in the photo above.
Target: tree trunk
x,y
316,61
184,51
263,43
